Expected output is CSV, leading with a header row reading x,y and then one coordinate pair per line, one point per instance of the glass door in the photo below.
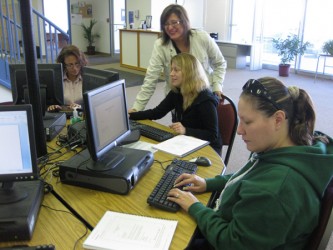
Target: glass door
x,y
118,12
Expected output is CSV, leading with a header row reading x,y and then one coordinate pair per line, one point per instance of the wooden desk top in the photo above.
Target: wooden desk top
x,y
55,226
92,204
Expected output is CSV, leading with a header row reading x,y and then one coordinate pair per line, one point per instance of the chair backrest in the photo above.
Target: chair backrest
x,y
325,213
228,122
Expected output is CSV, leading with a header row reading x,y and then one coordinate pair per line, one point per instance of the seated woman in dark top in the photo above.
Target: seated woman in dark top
x,y
191,99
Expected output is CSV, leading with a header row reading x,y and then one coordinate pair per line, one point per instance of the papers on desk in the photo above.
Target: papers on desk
x,y
119,231
141,145
181,145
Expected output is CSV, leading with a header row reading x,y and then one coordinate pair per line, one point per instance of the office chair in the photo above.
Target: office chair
x,y
228,122
317,236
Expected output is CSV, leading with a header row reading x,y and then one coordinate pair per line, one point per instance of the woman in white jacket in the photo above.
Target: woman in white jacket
x,y
177,37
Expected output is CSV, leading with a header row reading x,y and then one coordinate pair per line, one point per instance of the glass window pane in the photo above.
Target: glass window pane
x,y
317,30
280,18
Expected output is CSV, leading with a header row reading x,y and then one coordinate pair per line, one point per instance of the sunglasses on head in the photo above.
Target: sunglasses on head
x,y
257,89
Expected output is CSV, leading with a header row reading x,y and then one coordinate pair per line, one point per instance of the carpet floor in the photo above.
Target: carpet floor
x,y
131,79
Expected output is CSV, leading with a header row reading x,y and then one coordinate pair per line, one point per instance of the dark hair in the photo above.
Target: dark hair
x,y
74,51
181,13
296,104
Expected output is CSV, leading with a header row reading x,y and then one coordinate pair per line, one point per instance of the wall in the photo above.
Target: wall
x,y
217,22
144,8
100,12
195,10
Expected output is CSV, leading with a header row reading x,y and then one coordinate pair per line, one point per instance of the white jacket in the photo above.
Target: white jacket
x,y
202,46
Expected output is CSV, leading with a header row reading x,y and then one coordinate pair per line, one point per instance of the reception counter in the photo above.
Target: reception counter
x,y
136,46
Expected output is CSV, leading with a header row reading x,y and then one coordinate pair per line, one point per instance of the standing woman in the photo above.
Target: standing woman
x,y
178,37
191,99
72,60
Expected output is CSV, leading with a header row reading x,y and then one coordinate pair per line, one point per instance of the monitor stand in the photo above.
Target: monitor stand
x,y
108,162
18,219
53,124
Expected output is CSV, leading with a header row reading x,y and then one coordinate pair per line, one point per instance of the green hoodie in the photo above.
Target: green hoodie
x,y
275,205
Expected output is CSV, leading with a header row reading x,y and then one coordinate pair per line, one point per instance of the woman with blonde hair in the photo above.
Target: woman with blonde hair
x,y
191,99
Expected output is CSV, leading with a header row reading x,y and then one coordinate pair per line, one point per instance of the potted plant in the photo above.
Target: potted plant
x,y
288,49
328,47
90,36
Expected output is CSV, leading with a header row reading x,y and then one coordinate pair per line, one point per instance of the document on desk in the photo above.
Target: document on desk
x,y
120,231
141,145
181,145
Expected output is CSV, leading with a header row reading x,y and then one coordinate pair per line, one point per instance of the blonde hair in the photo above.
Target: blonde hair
x,y
193,75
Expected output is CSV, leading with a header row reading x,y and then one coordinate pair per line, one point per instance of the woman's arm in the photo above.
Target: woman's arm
x,y
158,112
158,62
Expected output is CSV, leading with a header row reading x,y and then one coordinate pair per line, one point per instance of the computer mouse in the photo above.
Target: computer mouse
x,y
203,161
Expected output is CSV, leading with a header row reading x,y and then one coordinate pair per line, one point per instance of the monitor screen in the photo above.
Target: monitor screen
x,y
95,78
17,150
106,123
50,80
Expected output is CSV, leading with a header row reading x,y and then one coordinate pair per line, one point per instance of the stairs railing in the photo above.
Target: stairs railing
x,y
49,39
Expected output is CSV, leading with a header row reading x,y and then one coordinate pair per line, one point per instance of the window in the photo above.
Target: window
x,y
307,18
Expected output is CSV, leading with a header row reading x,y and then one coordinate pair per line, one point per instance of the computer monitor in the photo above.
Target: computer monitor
x,y
17,151
50,80
106,123
95,78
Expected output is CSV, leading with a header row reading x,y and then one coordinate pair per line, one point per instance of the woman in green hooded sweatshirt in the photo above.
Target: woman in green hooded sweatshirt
x,y
273,202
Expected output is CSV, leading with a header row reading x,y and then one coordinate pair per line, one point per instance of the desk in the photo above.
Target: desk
x,y
91,204
54,227
235,53
62,229
136,46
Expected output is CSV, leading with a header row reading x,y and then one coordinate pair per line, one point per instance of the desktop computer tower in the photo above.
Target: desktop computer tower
x,y
120,180
18,219
53,124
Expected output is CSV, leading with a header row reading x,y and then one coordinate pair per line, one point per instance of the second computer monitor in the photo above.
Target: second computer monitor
x,y
50,80
95,78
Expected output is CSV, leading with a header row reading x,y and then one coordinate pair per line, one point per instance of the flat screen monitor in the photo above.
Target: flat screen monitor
x,y
50,80
95,78
17,151
106,123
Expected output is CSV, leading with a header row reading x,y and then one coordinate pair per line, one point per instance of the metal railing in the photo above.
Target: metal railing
x,y
49,39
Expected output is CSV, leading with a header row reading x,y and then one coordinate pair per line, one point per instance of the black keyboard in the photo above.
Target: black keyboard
x,y
21,247
150,131
158,198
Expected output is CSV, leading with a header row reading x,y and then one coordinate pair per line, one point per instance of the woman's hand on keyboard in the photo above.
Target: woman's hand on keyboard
x,y
191,182
182,198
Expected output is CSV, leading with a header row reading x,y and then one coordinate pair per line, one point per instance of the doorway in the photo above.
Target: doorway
x,y
118,12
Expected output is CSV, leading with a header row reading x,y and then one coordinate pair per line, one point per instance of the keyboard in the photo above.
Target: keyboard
x,y
150,131
158,198
24,247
